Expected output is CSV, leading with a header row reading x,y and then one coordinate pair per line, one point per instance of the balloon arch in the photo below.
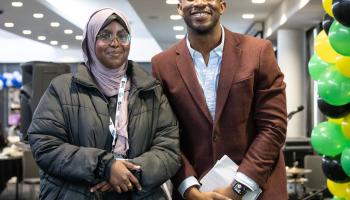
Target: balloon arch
x,y
330,68
10,80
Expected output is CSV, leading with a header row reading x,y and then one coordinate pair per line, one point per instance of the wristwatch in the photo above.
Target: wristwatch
x,y
239,189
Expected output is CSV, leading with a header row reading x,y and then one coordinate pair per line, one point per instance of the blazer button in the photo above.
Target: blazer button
x,y
215,137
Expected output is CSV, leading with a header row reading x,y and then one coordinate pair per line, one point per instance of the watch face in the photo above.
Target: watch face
x,y
239,189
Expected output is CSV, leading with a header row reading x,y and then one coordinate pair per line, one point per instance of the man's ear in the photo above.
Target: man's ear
x,y
179,9
223,7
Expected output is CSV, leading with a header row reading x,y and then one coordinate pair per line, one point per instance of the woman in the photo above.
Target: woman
x,y
108,131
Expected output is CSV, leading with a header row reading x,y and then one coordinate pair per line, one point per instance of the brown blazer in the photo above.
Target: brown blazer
x,y
250,119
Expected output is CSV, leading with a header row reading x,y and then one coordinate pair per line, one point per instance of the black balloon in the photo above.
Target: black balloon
x,y
341,11
327,22
333,111
332,169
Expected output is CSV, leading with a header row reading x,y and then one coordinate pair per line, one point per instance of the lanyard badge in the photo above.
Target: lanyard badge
x,y
121,93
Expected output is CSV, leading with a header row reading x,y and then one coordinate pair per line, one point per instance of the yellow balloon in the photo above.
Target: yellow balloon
x,y
341,190
343,64
324,49
336,121
345,126
327,6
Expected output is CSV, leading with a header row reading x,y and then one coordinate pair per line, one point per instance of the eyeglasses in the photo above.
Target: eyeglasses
x,y
122,37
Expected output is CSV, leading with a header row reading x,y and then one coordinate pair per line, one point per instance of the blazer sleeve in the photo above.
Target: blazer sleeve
x,y
270,119
186,169
50,143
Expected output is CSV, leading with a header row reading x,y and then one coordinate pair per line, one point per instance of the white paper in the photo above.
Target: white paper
x,y
221,175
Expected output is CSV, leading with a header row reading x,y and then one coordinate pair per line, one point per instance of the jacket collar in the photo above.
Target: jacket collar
x,y
230,63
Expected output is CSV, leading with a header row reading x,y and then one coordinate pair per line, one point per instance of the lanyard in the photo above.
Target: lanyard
x,y
121,92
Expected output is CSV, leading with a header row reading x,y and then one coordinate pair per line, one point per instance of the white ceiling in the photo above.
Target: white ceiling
x,y
150,23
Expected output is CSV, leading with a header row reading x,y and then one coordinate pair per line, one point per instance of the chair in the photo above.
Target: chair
x,y
30,173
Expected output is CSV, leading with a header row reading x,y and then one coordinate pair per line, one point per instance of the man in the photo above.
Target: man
x,y
229,96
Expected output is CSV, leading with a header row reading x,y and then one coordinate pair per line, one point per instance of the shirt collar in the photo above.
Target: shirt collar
x,y
217,50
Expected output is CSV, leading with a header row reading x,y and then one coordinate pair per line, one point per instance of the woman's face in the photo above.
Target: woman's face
x,y
112,45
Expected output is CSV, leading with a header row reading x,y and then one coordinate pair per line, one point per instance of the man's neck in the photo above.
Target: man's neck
x,y
204,43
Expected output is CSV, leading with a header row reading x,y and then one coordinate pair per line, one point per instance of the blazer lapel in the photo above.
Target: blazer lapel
x,y
230,63
186,68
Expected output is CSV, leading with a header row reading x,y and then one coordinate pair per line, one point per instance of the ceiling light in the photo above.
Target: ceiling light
x,y
27,32
17,4
64,46
54,24
9,24
172,1
41,37
179,36
54,42
38,15
79,37
68,31
248,16
175,17
178,28
258,1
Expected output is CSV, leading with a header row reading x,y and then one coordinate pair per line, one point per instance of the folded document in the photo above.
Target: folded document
x,y
221,175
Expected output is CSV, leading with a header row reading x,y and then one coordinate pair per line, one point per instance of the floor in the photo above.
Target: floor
x,y
25,191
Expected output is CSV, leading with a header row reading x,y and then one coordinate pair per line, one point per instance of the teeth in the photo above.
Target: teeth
x,y
200,14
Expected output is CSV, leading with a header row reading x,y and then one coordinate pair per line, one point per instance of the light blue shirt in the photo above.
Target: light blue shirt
x,y
208,78
208,75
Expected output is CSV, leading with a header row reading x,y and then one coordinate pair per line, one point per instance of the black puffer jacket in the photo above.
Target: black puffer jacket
x,y
71,142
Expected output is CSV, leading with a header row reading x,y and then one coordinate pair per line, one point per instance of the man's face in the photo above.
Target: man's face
x,y
201,15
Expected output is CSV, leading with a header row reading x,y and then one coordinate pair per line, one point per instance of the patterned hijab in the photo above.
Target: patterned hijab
x,y
107,79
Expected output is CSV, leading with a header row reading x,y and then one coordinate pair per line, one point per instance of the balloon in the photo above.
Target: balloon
x,y
324,49
336,121
341,10
333,170
317,67
327,22
345,161
339,38
333,111
343,65
333,87
341,190
16,83
345,126
338,198
327,6
328,139
3,80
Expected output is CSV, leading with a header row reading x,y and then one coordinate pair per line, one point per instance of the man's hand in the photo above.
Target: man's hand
x,y
121,178
193,193
101,187
228,192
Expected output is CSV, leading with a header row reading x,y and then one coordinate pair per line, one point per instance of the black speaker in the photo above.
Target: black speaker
x,y
37,76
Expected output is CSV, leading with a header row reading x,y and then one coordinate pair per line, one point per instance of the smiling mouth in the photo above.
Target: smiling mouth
x,y
114,53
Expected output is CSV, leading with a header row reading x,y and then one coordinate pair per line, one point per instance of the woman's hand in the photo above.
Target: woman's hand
x,y
121,178
101,187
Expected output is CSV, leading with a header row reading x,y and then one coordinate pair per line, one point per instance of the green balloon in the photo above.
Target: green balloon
x,y
339,38
345,161
328,139
337,198
317,67
334,87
